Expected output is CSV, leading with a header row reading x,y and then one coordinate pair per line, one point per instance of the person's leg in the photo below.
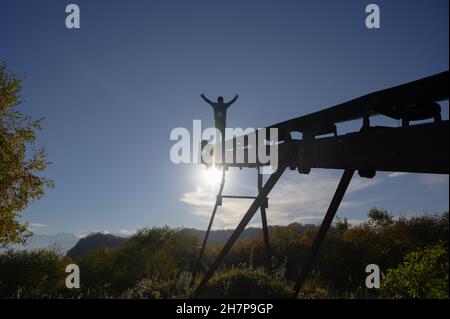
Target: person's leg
x,y
220,141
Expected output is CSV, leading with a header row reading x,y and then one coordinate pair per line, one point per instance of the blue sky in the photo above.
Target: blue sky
x,y
113,90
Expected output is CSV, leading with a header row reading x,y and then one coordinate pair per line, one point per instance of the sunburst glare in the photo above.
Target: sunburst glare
x,y
212,176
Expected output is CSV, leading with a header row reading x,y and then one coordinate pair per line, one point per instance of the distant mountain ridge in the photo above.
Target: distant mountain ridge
x,y
74,246
60,241
95,241
100,240
220,236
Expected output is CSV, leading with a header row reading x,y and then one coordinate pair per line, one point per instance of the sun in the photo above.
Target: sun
x,y
212,176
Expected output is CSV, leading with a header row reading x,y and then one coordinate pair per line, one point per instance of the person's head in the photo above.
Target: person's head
x,y
220,99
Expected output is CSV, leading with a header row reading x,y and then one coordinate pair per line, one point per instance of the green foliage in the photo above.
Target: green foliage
x,y
98,271
20,161
380,217
316,287
156,288
243,282
94,241
33,274
345,254
423,274
157,262
342,224
153,254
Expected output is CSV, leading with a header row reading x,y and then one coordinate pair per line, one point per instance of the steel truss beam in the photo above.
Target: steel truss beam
x,y
419,148
416,149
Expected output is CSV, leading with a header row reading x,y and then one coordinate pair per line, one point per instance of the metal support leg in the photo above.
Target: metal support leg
x,y
265,229
240,228
331,212
244,222
208,230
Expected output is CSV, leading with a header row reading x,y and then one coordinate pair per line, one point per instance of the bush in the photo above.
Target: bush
x,y
33,274
157,262
246,283
423,274
97,269
150,257
155,288
315,287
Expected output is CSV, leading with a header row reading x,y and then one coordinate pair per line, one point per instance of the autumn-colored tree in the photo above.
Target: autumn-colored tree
x,y
21,161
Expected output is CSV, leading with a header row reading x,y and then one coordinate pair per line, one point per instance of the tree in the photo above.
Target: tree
x,y
241,282
380,217
33,274
342,224
424,274
21,161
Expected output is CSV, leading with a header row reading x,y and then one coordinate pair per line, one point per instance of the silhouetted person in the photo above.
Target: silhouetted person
x,y
220,111
220,115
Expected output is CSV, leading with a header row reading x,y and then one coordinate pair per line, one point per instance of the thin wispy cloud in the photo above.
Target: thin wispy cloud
x,y
430,180
85,233
36,226
126,232
305,198
227,216
299,198
397,174
434,180
120,233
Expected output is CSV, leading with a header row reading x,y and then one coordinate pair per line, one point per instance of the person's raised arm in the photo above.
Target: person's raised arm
x,y
233,100
207,100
